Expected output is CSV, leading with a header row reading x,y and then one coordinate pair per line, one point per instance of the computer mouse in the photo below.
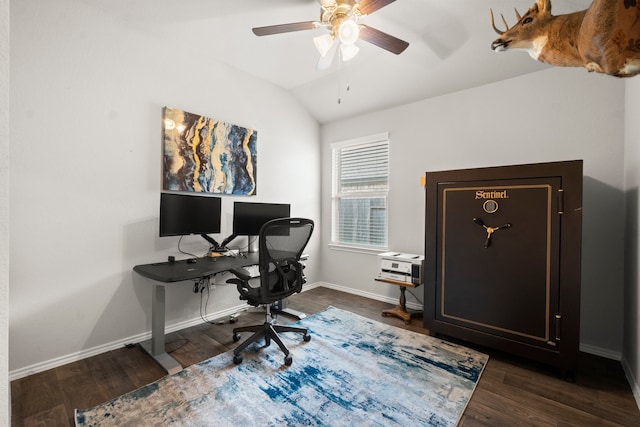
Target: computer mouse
x,y
192,260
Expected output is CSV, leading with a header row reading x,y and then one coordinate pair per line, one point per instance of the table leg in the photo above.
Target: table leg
x,y
156,346
400,310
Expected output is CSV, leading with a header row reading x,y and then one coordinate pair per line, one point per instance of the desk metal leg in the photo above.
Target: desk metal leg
x,y
156,346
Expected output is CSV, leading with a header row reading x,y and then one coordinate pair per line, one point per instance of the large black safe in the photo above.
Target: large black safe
x,y
502,258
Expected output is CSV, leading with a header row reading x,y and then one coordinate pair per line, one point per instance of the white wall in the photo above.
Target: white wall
x,y
553,115
631,353
4,214
87,92
86,96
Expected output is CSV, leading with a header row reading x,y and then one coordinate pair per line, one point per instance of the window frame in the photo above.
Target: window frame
x,y
336,195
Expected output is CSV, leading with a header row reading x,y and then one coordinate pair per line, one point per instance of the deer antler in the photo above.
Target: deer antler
x,y
504,21
518,15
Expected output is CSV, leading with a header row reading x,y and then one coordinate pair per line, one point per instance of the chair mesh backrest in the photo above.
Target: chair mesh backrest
x,y
281,244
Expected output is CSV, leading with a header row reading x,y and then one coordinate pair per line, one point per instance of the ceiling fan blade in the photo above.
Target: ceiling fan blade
x,y
383,40
285,28
369,6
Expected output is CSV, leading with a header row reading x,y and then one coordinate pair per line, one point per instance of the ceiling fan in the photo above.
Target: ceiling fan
x,y
341,18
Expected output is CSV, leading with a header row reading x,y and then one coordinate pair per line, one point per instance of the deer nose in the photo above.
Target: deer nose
x,y
499,45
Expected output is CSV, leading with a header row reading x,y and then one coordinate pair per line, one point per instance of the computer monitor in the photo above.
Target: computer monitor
x,y
182,214
249,217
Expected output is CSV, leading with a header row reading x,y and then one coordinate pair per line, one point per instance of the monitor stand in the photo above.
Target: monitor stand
x,y
226,241
253,244
215,246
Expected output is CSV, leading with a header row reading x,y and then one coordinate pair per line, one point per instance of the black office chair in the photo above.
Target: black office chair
x,y
280,247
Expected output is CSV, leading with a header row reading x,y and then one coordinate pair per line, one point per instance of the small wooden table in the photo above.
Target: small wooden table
x,y
400,310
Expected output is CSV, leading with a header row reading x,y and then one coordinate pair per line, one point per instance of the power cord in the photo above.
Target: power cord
x,y
416,298
246,247
201,286
204,303
184,252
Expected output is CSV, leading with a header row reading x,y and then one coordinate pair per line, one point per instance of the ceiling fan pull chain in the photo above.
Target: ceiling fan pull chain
x,y
347,86
348,73
339,78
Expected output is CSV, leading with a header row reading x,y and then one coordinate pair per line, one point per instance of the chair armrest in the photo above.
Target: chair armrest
x,y
241,273
245,290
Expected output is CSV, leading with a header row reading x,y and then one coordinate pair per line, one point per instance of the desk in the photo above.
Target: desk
x,y
163,273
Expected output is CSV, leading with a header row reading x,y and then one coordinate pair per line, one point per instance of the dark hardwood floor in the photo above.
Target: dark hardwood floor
x,y
511,391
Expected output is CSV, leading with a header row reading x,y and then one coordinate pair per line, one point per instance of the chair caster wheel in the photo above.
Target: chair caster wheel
x,y
236,337
306,337
237,359
288,360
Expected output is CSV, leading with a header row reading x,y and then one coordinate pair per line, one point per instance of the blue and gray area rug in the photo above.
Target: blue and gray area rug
x,y
353,372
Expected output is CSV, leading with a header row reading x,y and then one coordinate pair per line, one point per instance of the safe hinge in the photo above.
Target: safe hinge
x,y
560,201
558,325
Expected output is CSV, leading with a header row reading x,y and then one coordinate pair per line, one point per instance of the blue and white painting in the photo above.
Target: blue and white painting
x,y
201,154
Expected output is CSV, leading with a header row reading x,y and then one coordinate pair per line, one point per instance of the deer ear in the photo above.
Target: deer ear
x,y
544,6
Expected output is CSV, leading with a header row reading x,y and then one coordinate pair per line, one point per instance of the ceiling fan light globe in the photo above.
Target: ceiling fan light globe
x,y
323,43
348,51
327,3
348,32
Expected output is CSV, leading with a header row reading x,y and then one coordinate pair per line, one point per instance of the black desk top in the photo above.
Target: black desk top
x,y
178,271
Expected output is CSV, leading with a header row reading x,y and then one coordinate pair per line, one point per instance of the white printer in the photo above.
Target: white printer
x,y
401,267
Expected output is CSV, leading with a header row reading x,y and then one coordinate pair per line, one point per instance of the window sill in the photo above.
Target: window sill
x,y
357,249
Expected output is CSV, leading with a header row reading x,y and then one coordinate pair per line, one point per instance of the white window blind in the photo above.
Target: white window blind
x,y
360,188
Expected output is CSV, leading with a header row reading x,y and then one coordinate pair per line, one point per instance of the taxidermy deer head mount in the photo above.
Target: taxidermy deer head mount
x,y
604,38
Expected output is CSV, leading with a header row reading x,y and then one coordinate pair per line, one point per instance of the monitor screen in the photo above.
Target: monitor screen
x,y
182,214
248,218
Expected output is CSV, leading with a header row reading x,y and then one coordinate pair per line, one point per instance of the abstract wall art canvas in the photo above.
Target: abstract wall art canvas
x,y
201,154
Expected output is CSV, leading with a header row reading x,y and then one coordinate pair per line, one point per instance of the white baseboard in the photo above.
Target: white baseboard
x,y
602,352
377,297
94,351
633,381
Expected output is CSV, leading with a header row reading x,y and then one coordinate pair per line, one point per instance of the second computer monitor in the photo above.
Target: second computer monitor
x,y
249,217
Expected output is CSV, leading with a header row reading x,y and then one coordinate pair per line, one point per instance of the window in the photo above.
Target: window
x,y
360,188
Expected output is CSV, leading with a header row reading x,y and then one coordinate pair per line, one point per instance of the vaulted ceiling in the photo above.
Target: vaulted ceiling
x,y
449,47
